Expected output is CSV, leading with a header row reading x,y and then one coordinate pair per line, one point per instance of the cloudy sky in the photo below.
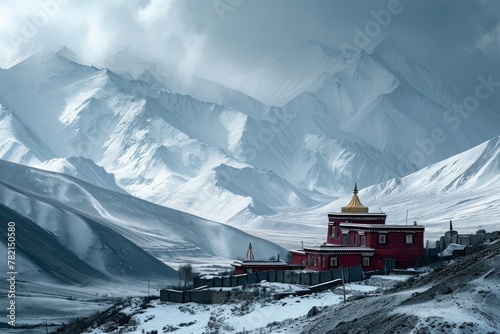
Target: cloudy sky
x,y
221,38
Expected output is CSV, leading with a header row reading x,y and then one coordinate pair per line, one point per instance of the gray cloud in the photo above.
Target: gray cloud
x,y
220,38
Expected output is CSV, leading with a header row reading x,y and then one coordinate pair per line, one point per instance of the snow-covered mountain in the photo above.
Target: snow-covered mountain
x,y
156,143
463,188
160,74
386,98
222,155
18,143
281,81
83,169
106,235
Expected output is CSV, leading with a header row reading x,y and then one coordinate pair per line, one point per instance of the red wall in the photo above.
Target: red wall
x,y
406,255
343,260
334,220
298,258
395,247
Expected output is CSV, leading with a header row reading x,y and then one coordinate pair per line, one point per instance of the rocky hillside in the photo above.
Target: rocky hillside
x,y
460,298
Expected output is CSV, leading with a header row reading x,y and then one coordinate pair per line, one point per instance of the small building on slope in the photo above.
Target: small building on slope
x,y
357,237
250,265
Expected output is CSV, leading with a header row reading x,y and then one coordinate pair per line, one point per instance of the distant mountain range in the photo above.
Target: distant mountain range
x,y
267,152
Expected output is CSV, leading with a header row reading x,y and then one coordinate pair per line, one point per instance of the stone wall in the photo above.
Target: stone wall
x,y
469,241
316,280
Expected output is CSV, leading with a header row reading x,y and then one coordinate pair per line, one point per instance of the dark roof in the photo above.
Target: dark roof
x,y
260,264
378,214
381,226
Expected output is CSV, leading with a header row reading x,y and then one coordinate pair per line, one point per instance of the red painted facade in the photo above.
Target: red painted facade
x,y
335,237
356,237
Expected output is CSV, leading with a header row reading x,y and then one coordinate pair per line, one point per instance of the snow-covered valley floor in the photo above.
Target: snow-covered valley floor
x,y
460,296
252,309
262,313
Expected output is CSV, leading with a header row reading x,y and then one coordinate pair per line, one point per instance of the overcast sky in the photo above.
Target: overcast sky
x,y
220,38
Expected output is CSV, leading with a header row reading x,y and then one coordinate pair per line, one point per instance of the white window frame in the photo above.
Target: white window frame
x,y
366,261
334,261
382,238
411,237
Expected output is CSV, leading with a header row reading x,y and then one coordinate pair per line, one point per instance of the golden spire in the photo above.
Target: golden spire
x,y
355,204
249,256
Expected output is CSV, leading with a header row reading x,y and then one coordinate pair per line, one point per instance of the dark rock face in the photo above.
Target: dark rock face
x,y
313,312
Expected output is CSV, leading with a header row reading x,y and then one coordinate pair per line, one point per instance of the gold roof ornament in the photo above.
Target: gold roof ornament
x,y
249,256
355,204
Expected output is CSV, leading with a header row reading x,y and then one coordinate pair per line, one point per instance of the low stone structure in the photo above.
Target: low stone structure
x,y
195,296
470,241
314,281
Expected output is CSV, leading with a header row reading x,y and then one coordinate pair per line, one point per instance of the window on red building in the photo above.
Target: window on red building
x,y
345,240
323,261
366,261
355,243
363,240
332,231
409,238
382,238
334,261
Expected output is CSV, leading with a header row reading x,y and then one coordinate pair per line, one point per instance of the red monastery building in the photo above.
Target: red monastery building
x,y
357,237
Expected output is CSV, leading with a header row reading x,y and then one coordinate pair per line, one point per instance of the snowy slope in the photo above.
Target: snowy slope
x,y
282,80
18,143
424,102
386,98
304,144
155,142
85,218
83,169
236,195
464,188
95,254
353,117
161,74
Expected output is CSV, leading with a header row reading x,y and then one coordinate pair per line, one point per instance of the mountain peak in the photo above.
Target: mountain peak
x,y
388,42
42,57
390,45
69,55
314,45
